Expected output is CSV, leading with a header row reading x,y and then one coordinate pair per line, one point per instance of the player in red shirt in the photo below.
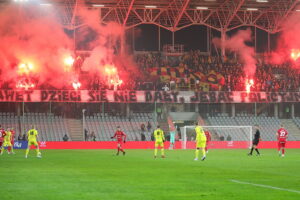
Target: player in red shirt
x,y
282,135
121,138
12,139
2,134
208,138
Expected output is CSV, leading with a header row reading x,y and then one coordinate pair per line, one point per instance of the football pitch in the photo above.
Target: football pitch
x,y
99,174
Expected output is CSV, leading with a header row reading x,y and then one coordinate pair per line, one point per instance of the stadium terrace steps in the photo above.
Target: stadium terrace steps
x,y
184,116
50,127
104,125
75,129
214,136
292,128
268,126
164,126
8,120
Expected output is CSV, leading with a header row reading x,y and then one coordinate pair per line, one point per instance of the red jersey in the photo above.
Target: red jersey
x,y
282,135
207,134
119,136
2,134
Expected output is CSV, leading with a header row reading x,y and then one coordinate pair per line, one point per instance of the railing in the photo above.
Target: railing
x,y
176,49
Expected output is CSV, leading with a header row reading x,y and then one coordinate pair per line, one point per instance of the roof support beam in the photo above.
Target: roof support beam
x,y
176,14
74,13
184,6
291,7
238,5
227,11
128,12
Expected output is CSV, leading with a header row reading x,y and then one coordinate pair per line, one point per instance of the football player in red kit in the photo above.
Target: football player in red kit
x,y
2,134
121,138
282,135
208,138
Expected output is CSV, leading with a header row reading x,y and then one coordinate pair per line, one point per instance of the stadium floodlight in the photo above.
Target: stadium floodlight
x,y
252,9
98,5
201,8
150,6
298,10
239,134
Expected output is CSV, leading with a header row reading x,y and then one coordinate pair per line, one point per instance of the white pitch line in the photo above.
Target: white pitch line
x,y
265,186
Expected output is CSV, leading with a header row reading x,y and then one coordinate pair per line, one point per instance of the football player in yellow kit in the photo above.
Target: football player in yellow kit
x,y
7,142
159,141
200,142
32,136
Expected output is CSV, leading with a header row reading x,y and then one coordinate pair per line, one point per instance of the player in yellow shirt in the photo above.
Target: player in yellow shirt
x,y
200,142
159,141
32,136
7,142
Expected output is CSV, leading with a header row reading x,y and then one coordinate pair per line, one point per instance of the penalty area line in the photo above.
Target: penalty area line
x,y
265,186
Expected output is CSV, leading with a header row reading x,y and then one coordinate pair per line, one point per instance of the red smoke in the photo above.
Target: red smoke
x,y
32,35
246,53
288,43
108,38
30,38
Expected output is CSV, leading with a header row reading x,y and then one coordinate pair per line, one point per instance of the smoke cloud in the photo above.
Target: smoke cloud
x,y
288,42
34,34
237,44
26,36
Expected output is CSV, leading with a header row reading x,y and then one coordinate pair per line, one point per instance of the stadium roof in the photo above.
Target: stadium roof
x,y
222,15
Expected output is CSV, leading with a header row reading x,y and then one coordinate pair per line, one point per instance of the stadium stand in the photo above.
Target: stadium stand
x,y
104,126
50,127
9,120
53,128
296,120
193,70
268,126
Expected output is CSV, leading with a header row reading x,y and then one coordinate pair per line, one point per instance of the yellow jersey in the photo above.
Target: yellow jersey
x,y
200,135
7,137
32,134
159,135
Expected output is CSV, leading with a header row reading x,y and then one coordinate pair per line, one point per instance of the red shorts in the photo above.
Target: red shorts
x,y
1,143
120,143
12,142
281,144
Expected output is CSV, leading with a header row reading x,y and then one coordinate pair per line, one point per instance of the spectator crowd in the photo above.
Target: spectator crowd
x,y
268,77
195,71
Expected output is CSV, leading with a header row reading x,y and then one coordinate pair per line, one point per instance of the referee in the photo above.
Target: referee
x,y
255,142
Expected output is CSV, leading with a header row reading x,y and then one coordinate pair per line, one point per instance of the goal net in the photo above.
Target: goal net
x,y
235,136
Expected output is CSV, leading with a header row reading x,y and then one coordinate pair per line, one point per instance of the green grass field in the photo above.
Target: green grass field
x,y
99,174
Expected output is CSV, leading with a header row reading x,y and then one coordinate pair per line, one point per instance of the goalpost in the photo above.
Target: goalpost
x,y
220,133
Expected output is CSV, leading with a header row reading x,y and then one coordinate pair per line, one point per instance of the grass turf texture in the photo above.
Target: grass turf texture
x,y
99,174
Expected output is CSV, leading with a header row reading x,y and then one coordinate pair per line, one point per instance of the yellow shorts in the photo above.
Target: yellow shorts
x,y
32,142
159,144
201,144
6,144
